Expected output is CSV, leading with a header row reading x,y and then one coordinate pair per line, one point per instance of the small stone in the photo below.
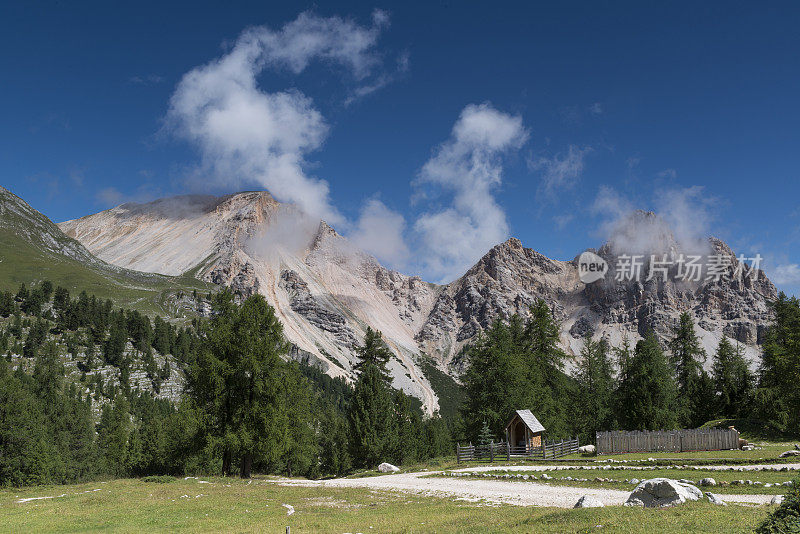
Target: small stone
x,y
587,501
715,499
708,482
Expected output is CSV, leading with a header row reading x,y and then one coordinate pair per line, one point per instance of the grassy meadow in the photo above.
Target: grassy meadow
x,y
233,505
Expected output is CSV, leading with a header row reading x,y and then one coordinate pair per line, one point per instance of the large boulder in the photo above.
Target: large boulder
x,y
663,492
587,501
388,468
587,449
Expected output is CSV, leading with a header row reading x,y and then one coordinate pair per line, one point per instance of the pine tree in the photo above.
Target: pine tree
x,y
687,356
485,437
373,352
595,377
7,305
334,454
733,380
777,398
647,390
371,422
497,380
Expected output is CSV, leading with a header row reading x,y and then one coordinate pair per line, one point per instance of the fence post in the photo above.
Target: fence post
x,y
458,454
508,451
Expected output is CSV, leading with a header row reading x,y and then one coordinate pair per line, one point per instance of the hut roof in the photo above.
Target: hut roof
x,y
530,421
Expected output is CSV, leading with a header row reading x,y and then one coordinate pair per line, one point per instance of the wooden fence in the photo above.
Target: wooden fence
x,y
502,451
701,439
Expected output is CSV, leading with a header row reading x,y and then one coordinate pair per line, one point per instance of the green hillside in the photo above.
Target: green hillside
x,y
33,248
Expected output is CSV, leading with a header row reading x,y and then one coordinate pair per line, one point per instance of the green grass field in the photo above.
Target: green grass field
x,y
232,505
21,262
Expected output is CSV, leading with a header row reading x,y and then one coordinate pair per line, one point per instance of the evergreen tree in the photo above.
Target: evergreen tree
x,y
22,294
485,437
777,398
497,380
373,352
6,304
647,390
238,383
36,337
113,432
687,356
334,455
372,425
733,380
595,377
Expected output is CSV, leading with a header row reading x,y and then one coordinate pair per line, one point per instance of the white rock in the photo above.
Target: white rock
x,y
587,449
708,482
289,509
789,453
664,492
587,501
715,499
777,499
388,468
633,502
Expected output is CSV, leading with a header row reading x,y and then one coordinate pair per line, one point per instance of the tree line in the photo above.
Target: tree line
x,y
518,364
246,407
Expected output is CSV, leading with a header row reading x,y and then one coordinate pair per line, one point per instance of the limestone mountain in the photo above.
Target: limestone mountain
x,y
326,291
33,248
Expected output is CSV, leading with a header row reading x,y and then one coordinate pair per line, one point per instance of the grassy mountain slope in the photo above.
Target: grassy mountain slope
x,y
32,249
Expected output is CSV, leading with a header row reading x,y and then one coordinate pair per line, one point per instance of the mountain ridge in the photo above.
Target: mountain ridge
x,y
326,291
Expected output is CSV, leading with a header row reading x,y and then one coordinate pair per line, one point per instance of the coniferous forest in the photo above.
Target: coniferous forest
x,y
245,407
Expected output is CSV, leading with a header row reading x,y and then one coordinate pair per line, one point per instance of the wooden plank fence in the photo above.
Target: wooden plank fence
x,y
501,451
701,439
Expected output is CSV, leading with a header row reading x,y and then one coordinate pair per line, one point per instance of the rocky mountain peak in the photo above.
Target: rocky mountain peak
x,y
326,291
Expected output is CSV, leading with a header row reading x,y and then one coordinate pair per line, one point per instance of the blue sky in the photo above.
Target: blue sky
x,y
689,110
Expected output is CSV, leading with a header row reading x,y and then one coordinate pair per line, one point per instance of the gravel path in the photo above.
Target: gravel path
x,y
539,467
492,491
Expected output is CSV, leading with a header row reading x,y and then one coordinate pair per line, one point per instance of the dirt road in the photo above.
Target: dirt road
x,y
494,491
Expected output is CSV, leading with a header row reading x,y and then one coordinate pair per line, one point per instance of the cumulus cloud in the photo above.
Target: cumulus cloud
x,y
560,172
380,231
468,168
786,274
680,218
248,136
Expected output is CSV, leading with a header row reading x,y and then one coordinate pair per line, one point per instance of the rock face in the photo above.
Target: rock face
x,y
326,291
587,501
658,492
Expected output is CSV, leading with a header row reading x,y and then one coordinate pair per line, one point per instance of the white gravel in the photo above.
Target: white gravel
x,y
494,491
611,467
491,491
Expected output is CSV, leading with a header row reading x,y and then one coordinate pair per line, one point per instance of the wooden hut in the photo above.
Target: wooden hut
x,y
524,430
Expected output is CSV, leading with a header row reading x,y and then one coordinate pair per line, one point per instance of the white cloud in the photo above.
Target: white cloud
x,y
560,172
680,217
109,196
467,166
249,136
786,274
379,231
